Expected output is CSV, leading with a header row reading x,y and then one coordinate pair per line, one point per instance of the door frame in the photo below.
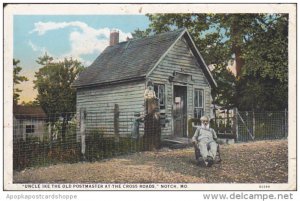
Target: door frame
x,y
174,84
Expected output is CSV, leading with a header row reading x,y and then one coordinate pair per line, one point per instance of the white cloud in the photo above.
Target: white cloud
x,y
36,48
84,40
42,27
33,46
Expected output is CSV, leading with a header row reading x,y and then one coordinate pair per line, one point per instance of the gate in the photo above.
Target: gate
x,y
225,124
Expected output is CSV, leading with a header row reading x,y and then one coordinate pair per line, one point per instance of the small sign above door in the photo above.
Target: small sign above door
x,y
181,77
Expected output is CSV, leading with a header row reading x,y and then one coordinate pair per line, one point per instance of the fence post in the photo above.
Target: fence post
x,y
253,123
82,132
285,124
235,124
50,133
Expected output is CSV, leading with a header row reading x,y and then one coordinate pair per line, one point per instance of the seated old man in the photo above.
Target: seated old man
x,y
205,139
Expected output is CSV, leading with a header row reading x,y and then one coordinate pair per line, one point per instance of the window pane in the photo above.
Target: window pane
x,y
201,98
156,90
161,94
29,128
196,98
198,112
198,103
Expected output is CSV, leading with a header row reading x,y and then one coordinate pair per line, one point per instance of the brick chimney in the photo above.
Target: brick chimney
x,y
114,37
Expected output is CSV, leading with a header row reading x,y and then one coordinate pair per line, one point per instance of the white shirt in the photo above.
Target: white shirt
x,y
204,133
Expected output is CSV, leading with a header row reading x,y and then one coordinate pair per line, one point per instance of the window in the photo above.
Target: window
x,y
198,103
29,129
160,94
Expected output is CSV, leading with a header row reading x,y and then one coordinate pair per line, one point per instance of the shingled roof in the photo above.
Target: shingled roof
x,y
128,60
23,112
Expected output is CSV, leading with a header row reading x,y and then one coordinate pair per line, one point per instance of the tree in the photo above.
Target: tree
x,y
265,75
140,33
30,103
18,79
54,85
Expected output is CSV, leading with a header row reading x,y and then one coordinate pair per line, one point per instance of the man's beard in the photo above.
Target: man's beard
x,y
205,126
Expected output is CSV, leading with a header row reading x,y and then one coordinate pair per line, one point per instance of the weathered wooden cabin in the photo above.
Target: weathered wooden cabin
x,y
181,79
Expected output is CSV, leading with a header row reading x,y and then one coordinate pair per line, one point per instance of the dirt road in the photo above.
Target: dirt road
x,y
254,162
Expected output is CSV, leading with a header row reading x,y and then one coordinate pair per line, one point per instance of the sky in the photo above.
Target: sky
x,y
81,37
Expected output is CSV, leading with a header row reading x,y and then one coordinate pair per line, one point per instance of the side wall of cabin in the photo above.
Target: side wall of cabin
x,y
99,106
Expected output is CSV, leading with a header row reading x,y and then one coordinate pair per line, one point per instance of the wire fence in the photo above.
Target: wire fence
x,y
89,136
39,141
262,125
244,126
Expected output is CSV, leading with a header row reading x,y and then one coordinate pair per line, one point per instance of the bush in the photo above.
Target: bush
x,y
100,146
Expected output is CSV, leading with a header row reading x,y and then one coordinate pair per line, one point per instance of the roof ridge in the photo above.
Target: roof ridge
x,y
126,43
159,34
134,53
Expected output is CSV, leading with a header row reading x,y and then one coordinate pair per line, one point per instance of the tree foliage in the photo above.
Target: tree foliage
x,y
264,84
18,79
30,103
256,42
54,85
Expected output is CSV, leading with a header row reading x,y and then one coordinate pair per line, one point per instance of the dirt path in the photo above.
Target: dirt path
x,y
255,162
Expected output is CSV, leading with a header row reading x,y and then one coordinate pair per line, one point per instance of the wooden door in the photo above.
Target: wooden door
x,y
180,111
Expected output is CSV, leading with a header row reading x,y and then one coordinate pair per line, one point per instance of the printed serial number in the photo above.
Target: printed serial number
x,y
264,186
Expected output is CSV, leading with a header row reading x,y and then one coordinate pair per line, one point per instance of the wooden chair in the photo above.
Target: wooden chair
x,y
198,154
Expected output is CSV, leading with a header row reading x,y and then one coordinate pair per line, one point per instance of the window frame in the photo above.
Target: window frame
x,y
29,129
198,106
163,87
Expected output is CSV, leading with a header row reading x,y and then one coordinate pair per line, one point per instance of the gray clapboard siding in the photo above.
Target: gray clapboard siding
x,y
99,103
94,106
180,58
